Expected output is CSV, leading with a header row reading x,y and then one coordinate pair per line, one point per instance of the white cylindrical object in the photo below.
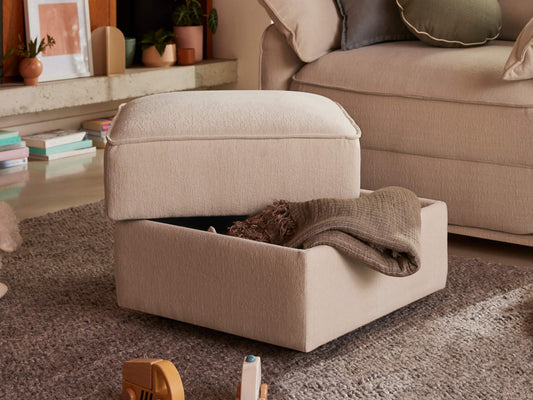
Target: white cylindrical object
x,y
251,378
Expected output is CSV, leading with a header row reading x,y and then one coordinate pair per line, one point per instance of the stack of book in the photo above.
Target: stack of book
x,y
61,143
13,150
97,130
13,164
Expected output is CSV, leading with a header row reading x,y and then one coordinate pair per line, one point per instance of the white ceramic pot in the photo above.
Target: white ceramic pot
x,y
152,58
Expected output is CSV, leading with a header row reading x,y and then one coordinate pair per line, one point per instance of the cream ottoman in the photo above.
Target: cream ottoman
x,y
212,154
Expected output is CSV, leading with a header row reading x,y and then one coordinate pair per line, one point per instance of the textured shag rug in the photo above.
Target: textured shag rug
x,y
62,336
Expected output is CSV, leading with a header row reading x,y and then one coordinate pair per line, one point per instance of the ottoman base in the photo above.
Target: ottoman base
x,y
299,299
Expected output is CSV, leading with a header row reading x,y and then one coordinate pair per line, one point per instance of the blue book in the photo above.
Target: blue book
x,y
82,144
13,163
8,134
9,140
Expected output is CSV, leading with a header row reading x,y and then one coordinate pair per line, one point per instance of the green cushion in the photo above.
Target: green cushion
x,y
452,23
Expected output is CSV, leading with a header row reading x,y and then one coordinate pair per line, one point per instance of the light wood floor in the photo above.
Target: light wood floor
x,y
69,183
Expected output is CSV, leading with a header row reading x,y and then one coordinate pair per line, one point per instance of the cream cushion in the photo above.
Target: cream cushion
x,y
520,63
467,78
227,153
312,27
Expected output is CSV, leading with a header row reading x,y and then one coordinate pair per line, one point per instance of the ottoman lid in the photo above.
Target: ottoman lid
x,y
205,153
239,114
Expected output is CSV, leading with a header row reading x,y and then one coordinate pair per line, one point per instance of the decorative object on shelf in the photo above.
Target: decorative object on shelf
x,y
109,51
68,22
30,67
188,21
130,42
186,56
157,49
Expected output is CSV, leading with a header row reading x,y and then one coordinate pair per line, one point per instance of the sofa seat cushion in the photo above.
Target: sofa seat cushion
x,y
430,100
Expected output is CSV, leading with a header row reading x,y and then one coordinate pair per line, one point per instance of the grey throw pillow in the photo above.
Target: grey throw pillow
x,y
367,22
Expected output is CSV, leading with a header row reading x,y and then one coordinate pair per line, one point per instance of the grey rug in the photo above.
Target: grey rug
x,y
62,335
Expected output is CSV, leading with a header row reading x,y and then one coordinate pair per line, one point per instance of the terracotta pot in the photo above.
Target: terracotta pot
x,y
30,69
152,58
190,37
186,56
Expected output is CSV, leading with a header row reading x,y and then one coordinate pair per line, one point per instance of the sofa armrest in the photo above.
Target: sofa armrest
x,y
278,62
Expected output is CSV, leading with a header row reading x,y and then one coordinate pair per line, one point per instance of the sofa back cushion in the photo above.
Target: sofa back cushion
x,y
452,23
519,65
515,15
312,27
367,22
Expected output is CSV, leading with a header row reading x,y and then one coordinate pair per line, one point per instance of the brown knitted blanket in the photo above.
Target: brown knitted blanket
x,y
382,228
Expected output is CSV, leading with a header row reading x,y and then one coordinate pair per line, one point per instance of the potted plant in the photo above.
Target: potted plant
x,y
188,21
30,67
158,49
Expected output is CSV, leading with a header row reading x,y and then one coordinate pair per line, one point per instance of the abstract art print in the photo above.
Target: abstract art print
x,y
67,21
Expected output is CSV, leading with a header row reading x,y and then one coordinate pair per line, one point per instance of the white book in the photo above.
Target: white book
x,y
56,137
72,153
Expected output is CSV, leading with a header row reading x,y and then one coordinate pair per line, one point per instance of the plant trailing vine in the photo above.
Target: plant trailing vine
x,y
190,13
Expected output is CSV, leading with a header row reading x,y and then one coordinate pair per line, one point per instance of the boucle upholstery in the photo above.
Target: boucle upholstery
x,y
228,153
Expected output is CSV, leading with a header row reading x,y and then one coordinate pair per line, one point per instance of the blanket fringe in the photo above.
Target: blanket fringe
x,y
273,225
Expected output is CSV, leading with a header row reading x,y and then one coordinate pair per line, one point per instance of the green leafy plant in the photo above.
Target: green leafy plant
x,y
190,13
159,39
32,48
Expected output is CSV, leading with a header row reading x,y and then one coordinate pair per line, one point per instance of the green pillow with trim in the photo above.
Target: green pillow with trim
x,y
452,23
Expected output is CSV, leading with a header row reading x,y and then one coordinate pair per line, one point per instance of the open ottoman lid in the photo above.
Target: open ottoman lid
x,y
198,115
206,153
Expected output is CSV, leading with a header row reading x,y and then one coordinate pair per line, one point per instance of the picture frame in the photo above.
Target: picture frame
x,y
68,22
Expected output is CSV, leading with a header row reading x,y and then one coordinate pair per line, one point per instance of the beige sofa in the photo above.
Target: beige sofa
x,y
439,121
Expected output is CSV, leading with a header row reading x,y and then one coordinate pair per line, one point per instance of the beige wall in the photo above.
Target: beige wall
x,y
241,24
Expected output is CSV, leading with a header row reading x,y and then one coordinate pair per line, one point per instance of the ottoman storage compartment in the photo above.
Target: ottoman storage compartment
x,y
298,299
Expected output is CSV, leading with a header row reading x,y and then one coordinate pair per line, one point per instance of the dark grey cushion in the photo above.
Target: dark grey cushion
x,y
367,22
452,23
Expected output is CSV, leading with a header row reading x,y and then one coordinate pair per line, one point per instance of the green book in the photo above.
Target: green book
x,y
9,140
8,134
82,144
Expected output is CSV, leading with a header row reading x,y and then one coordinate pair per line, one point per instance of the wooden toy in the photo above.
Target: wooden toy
x,y
251,387
151,378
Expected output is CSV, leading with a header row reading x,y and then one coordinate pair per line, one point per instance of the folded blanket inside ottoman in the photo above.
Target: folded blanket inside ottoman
x,y
381,228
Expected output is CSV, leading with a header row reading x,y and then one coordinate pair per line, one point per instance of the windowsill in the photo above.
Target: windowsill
x,y
135,82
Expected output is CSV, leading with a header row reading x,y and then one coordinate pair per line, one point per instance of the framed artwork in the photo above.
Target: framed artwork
x,y
68,22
